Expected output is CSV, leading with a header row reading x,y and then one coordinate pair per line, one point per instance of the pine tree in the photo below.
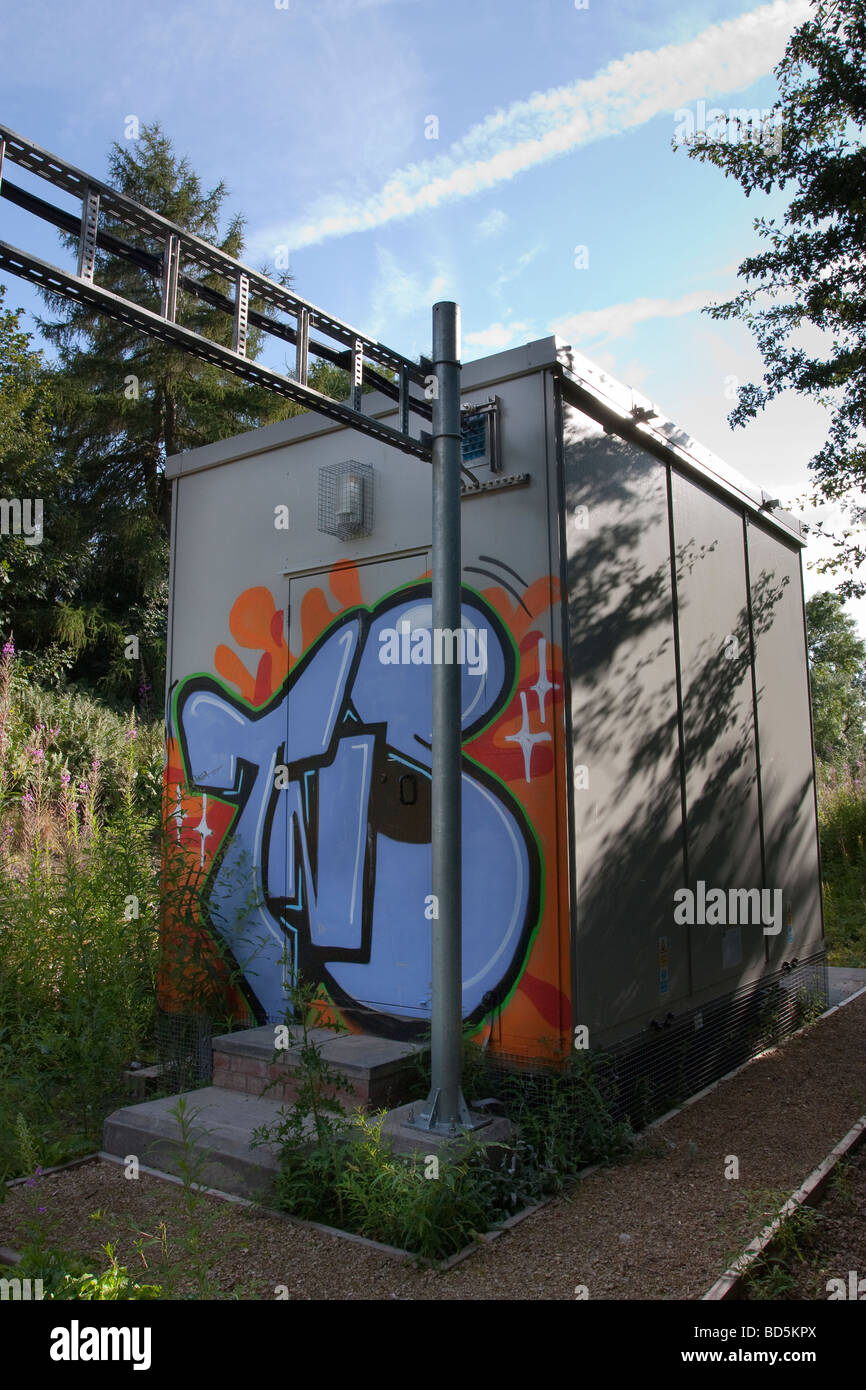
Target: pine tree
x,y
123,403
38,572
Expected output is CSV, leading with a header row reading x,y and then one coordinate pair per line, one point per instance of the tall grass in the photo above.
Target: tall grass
x,y
78,911
842,821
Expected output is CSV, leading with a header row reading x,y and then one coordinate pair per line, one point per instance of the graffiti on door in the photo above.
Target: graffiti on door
x,y
307,799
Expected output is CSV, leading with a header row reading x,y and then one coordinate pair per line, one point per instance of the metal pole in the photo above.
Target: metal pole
x,y
445,1108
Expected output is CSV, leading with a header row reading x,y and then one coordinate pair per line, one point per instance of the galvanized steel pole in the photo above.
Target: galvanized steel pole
x,y
445,1108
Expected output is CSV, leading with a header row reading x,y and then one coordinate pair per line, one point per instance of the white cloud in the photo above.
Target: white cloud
x,y
517,269
399,293
618,320
492,224
624,95
499,336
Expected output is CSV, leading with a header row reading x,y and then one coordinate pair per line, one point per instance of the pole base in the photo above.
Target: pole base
x,y
429,1116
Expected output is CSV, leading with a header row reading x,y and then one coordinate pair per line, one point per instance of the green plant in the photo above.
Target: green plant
x,y
565,1118
432,1204
809,1005
768,1280
345,1172
191,1162
842,1184
63,1276
112,1284
771,1275
842,823
79,908
313,1129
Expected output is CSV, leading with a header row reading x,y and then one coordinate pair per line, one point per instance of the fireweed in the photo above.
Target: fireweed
x,y
78,912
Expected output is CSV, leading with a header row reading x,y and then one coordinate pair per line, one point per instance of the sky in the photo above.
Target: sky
x,y
512,155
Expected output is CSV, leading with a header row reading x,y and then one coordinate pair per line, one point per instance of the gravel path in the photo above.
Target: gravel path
x,y
834,1243
662,1225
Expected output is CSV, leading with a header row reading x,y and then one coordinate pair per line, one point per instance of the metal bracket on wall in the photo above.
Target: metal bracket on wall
x,y
497,484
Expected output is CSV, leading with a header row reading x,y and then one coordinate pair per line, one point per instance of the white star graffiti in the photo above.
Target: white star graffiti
x,y
177,814
542,685
526,738
203,830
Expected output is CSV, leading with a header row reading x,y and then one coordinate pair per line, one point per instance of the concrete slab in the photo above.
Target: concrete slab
x,y
843,981
354,1053
223,1129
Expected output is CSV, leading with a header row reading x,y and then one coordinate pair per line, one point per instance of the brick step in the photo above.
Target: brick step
x,y
379,1073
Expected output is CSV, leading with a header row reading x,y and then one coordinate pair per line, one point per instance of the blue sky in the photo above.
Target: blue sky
x,y
553,127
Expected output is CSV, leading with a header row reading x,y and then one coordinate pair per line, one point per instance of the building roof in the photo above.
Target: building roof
x,y
616,406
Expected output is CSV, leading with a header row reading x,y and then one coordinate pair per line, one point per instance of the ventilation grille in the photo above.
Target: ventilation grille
x,y
474,438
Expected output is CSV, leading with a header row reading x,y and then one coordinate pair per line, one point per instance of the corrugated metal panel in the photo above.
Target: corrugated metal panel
x,y
722,810
785,742
632,957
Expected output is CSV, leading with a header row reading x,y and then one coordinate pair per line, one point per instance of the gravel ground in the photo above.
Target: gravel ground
x,y
662,1225
834,1243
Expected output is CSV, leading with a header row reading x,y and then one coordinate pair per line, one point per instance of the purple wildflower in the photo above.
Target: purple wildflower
x,y
65,777
9,648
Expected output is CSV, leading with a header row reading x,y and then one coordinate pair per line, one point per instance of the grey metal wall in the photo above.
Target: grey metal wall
x,y
784,730
690,713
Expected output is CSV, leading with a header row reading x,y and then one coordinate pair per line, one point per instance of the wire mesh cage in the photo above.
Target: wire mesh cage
x,y
346,499
646,1075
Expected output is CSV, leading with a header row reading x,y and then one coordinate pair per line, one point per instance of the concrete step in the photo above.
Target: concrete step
x,y
379,1073
222,1129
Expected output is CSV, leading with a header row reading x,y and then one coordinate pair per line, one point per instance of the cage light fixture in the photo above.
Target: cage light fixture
x,y
346,499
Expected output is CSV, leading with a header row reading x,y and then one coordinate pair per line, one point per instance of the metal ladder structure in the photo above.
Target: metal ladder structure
x,y
185,256
445,1110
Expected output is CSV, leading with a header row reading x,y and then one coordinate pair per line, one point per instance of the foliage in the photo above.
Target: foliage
x,y
192,1160
79,908
842,824
566,1119
837,657
343,1171
35,577
112,1284
403,1200
812,275
770,1276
